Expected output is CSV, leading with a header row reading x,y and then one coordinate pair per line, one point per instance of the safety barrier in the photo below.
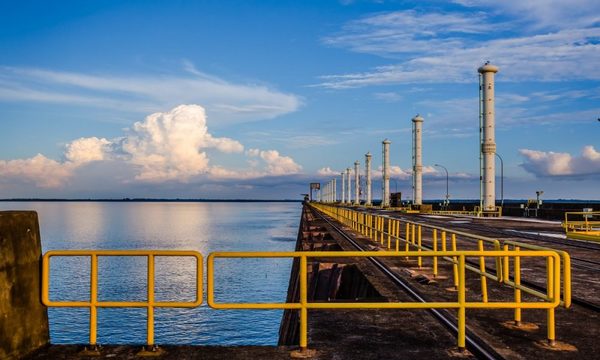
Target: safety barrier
x,y
582,225
93,304
388,232
550,301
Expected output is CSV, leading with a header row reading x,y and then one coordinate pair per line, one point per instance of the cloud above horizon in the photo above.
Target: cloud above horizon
x,y
165,147
436,46
549,163
226,101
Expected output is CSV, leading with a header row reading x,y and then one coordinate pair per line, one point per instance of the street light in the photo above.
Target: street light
x,y
501,180
447,202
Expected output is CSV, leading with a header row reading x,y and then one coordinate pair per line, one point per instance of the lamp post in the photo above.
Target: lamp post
x,y
501,180
447,202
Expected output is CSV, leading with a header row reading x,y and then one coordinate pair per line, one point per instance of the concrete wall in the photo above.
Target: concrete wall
x,y
23,318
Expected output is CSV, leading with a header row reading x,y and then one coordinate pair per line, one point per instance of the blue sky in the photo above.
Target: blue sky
x,y
256,99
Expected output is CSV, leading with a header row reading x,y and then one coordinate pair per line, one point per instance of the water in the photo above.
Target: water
x,y
204,227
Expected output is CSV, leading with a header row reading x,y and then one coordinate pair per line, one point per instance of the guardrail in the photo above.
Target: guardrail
x,y
93,304
550,301
387,231
586,225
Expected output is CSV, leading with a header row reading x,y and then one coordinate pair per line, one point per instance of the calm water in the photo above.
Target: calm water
x,y
205,227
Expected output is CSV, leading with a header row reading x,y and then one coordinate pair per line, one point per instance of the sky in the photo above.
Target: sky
x,y
256,99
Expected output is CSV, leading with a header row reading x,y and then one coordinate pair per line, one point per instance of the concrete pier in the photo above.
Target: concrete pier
x,y
23,318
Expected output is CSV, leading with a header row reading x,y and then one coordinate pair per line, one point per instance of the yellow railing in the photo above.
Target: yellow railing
x,y
582,225
388,233
93,304
549,302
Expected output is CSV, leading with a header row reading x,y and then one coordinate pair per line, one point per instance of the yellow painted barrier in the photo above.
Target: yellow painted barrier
x,y
582,225
93,304
502,275
550,301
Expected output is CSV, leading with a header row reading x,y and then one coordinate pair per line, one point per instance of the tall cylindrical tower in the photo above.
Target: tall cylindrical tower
x,y
334,192
356,183
348,186
343,188
488,145
368,177
385,196
417,160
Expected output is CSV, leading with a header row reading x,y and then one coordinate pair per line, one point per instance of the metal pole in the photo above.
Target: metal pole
x,y
356,183
501,180
368,177
385,198
447,194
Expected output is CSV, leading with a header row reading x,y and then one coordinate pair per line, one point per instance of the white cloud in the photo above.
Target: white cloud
x,y
545,13
84,150
166,146
228,102
549,163
388,96
43,172
327,171
278,164
169,146
437,47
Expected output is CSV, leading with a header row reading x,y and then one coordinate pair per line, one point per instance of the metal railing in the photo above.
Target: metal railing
x,y
93,304
582,225
549,302
388,232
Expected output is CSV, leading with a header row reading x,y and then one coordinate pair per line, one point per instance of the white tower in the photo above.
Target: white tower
x,y
417,160
334,192
385,197
488,145
356,183
368,177
348,186
343,188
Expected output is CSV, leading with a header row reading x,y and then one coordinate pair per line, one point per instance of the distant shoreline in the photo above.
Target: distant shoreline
x,y
456,201
145,200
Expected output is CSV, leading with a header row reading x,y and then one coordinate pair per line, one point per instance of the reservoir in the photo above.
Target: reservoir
x,y
202,226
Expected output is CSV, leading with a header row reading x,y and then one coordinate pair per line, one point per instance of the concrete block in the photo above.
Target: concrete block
x,y
23,317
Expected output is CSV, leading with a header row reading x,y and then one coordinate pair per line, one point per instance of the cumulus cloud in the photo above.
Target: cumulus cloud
x,y
549,163
39,170
168,146
277,164
327,171
165,146
84,150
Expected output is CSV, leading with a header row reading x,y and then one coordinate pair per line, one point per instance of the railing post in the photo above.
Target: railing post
x,y
551,293
303,302
150,339
484,292
397,234
461,302
419,259
505,266
435,259
517,266
93,300
389,233
455,263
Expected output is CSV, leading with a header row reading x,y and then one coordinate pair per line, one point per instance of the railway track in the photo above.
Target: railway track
x,y
477,346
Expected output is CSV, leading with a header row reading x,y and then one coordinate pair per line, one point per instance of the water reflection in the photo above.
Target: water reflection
x,y
205,227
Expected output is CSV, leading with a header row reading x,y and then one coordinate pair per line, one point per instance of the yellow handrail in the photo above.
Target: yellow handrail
x,y
549,302
413,229
93,304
